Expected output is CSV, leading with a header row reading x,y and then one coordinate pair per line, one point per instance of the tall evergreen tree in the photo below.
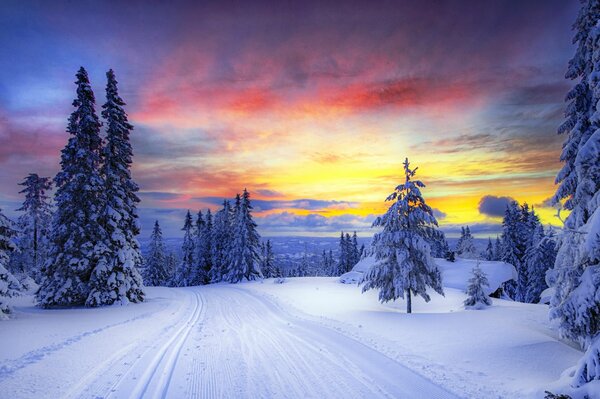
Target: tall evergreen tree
x,y
156,272
185,273
115,278
576,274
244,259
78,234
489,251
206,247
539,258
202,240
172,262
404,264
497,249
267,265
518,228
440,247
355,251
221,238
34,226
9,285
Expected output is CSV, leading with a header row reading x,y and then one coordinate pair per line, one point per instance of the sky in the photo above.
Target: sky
x,y
311,106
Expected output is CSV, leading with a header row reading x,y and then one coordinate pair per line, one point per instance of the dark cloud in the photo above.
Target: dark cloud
x,y
493,206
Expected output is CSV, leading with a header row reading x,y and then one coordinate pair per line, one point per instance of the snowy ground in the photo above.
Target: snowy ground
x,y
309,337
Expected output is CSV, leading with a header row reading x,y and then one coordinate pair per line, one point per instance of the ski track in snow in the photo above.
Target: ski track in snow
x,y
227,342
9,368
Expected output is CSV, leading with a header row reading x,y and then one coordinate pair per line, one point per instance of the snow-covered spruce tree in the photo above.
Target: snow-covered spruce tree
x,y
78,235
355,251
345,260
489,251
497,249
465,248
9,285
172,262
244,258
267,264
221,237
477,299
539,258
116,278
184,275
156,272
518,227
202,239
404,265
34,227
576,274
205,250
440,247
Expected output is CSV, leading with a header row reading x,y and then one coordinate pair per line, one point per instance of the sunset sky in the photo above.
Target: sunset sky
x,y
311,106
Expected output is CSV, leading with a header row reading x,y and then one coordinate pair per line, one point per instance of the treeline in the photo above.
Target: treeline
x,y
223,247
524,243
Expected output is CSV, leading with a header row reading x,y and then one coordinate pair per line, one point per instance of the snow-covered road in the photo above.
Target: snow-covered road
x,y
203,342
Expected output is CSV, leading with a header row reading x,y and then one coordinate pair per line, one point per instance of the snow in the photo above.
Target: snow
x,y
307,337
454,274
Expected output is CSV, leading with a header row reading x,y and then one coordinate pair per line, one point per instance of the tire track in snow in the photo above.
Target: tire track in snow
x,y
8,368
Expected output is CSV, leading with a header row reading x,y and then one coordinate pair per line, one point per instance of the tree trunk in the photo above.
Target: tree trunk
x,y
408,302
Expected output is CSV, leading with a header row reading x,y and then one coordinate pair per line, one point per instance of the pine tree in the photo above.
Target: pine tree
x,y
355,251
465,248
477,298
497,249
489,251
576,274
9,286
202,239
115,278
345,260
172,262
519,225
404,264
156,272
539,258
78,235
184,275
221,238
244,260
206,247
267,260
34,226
440,247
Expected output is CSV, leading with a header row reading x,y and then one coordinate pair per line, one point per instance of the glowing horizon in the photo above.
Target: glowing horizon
x,y
312,108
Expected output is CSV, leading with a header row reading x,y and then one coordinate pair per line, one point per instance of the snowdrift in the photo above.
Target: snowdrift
x,y
454,274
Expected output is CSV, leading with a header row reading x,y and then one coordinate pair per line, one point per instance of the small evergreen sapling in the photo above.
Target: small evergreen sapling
x,y
477,299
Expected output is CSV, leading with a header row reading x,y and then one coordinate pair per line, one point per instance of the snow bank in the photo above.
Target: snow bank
x,y
454,274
